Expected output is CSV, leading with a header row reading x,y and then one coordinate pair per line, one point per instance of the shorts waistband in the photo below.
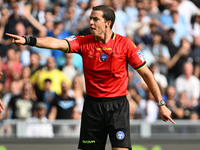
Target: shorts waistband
x,y
90,98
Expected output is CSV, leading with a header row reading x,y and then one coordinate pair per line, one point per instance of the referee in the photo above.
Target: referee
x,y
106,56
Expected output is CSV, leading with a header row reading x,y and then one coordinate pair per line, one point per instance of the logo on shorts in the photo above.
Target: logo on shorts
x,y
120,135
88,141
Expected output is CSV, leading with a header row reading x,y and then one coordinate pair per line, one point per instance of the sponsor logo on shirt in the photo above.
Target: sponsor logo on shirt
x,y
71,38
104,49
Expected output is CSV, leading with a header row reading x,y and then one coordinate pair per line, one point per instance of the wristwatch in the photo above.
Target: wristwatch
x,y
162,102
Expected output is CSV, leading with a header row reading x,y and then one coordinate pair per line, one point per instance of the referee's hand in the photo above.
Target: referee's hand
x,y
165,114
18,40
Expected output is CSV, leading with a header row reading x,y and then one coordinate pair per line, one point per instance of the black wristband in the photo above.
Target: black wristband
x,y
29,40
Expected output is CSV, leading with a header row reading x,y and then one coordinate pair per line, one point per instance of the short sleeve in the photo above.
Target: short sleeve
x,y
74,43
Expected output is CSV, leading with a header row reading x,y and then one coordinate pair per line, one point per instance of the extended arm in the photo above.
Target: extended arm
x,y
149,79
43,42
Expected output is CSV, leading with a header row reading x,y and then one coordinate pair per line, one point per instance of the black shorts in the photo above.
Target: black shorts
x,y
102,117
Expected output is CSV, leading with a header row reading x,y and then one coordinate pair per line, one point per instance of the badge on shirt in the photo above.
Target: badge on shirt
x,y
103,57
141,56
71,38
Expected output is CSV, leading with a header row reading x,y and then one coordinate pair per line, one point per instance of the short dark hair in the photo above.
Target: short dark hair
x,y
108,13
47,80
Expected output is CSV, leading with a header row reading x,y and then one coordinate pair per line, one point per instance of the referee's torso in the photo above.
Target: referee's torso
x,y
106,65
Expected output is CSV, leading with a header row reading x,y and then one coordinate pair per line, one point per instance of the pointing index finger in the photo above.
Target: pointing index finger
x,y
11,35
172,120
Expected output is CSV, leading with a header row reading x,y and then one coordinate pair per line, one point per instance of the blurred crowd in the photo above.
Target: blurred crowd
x,y
43,84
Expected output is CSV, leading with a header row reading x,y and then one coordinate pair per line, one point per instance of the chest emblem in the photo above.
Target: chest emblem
x,y
104,57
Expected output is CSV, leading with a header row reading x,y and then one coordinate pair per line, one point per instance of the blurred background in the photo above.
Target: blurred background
x,y
43,90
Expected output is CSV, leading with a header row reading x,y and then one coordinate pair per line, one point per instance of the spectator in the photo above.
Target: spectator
x,y
134,80
46,96
140,27
131,10
36,27
15,17
177,112
157,53
59,33
70,20
34,63
160,78
4,15
151,108
153,11
197,109
22,105
180,28
44,54
38,125
82,28
49,22
77,92
179,55
11,67
42,31
25,76
155,26
2,76
69,70
121,17
195,55
183,103
14,90
57,11
187,9
63,105
39,11
20,29
50,72
134,99
189,83
194,116
132,107
78,9
166,18
195,25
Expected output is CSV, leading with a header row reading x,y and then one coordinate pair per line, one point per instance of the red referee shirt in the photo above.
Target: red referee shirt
x,y
106,65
